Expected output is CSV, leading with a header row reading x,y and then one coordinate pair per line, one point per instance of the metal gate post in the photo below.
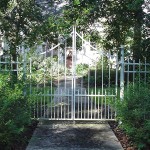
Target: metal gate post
x,y
122,74
73,70
24,70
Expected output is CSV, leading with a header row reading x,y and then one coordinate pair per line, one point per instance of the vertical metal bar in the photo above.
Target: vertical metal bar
x,y
122,74
65,104
65,63
116,89
98,103
74,71
37,107
24,69
78,105
41,97
61,103
82,61
30,72
17,66
92,104
109,70
116,73
133,71
88,92
102,64
105,104
54,109
101,105
95,91
145,72
139,71
51,88
34,104
72,93
58,106
44,83
51,103
108,92
75,59
82,93
48,104
108,117
81,103
58,69
85,103
128,75
69,103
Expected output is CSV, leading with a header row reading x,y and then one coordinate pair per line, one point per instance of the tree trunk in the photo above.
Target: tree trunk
x,y
137,39
137,49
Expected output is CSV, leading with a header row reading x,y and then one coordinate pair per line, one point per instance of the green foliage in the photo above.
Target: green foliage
x,y
45,69
101,74
134,112
82,69
98,80
124,23
39,103
18,25
14,112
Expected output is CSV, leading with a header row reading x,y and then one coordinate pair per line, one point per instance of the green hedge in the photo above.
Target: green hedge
x,y
14,112
134,113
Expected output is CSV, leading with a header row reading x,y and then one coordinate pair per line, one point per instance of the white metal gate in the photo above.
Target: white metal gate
x,y
77,82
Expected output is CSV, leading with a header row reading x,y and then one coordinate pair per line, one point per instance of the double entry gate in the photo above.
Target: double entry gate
x,y
77,82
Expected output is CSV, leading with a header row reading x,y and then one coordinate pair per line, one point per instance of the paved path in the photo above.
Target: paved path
x,y
74,137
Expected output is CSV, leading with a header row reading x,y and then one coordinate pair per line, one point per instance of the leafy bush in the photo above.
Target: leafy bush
x,y
14,112
45,69
82,69
134,112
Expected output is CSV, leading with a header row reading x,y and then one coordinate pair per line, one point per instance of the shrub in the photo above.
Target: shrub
x,y
14,112
82,69
134,113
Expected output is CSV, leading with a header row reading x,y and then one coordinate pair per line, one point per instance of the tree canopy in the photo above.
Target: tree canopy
x,y
124,21
19,20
